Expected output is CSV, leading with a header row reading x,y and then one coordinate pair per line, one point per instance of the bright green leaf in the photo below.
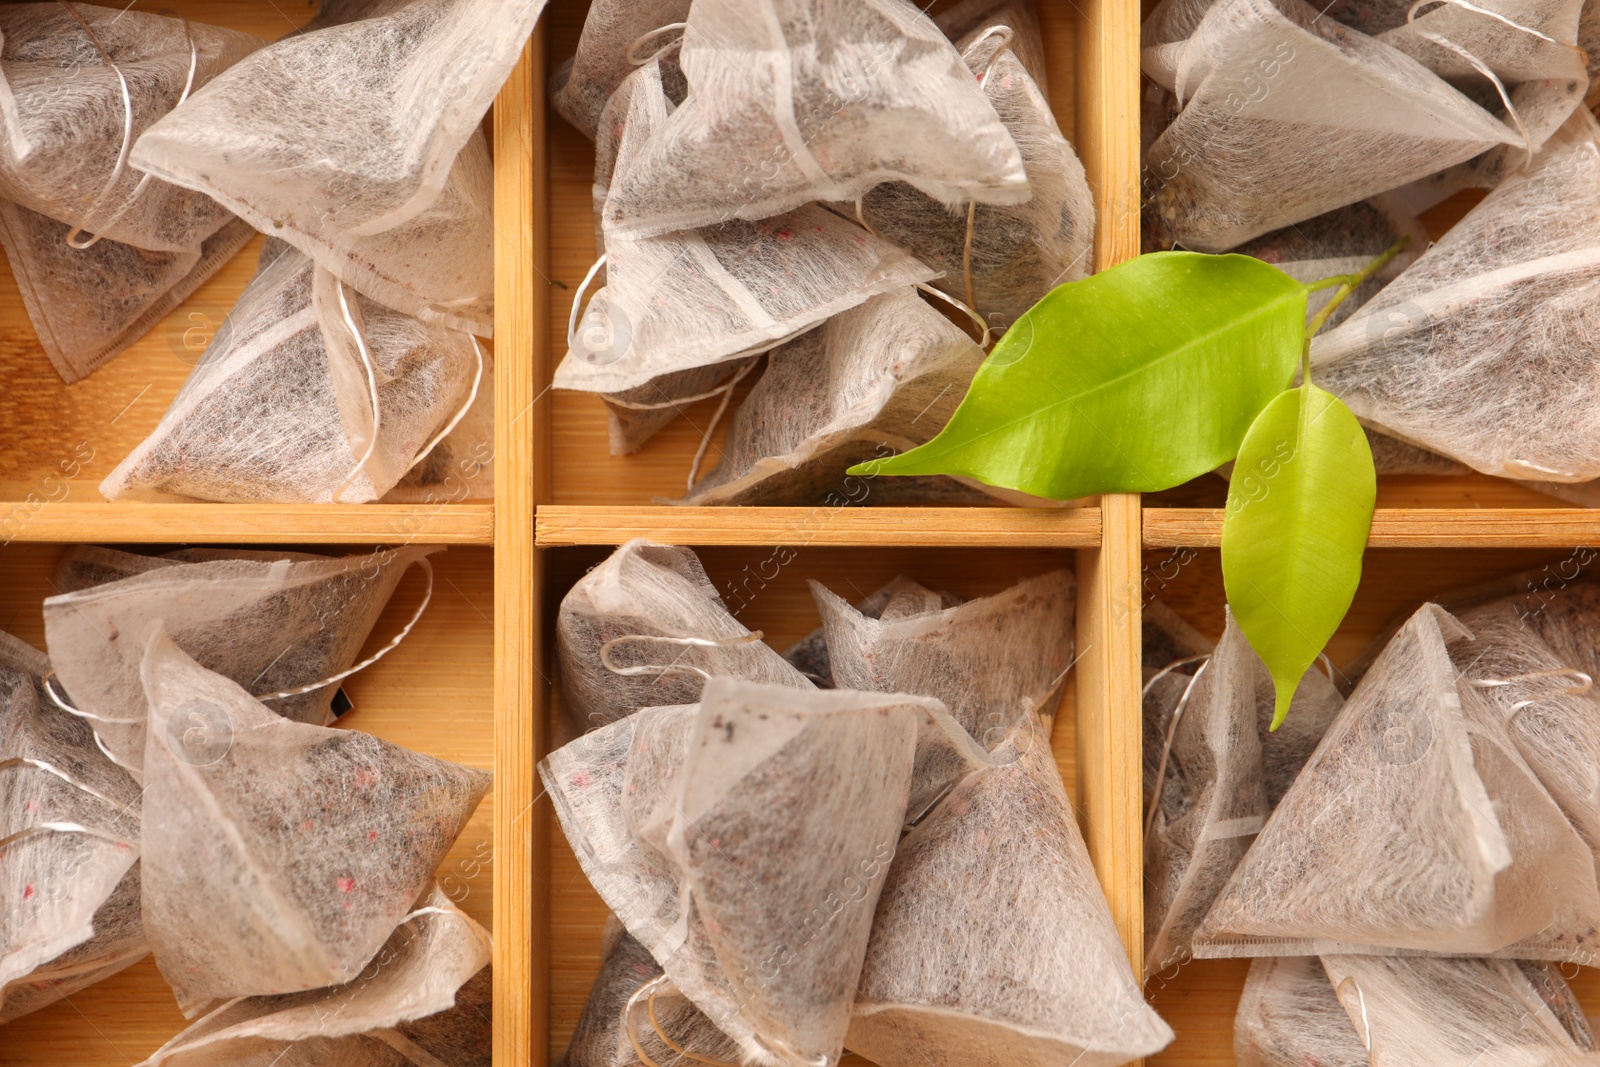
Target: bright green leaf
x,y
1299,510
1133,380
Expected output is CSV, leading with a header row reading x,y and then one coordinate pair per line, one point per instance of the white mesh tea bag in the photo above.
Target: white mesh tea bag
x,y
809,655
881,378
1415,827
1442,1013
646,628
286,854
461,466
69,835
1027,40
87,305
1207,801
1266,85
697,298
1000,259
615,32
1491,328
359,144
993,661
287,628
434,951
306,394
743,841
792,101
992,943
1289,1016
78,84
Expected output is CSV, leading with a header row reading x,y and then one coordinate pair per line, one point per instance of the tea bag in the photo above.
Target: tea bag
x,y
992,942
1390,455
77,85
69,832
614,33
992,661
306,394
289,630
646,628
638,414
1196,833
809,655
87,305
1265,86
1027,40
1434,1013
461,466
882,377
434,951
1497,300
690,300
286,853
1415,827
1289,1016
360,145
1000,259
792,101
711,829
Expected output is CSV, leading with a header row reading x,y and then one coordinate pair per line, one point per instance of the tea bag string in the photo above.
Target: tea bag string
x,y
27,762
372,389
461,413
121,167
450,913
665,668
1361,999
632,405
631,53
1483,68
577,300
648,992
55,698
716,417
1584,684
64,828
394,643
985,328
1172,727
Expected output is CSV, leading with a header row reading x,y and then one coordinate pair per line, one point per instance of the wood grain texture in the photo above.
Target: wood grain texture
x,y
283,524
521,305
1108,122
1407,527
970,527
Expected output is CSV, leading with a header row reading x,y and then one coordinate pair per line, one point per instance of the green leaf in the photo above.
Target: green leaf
x,y
1133,380
1299,510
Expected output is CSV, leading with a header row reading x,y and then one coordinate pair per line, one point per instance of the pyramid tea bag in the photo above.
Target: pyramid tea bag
x,y
792,101
992,661
645,629
280,407
69,834
1500,299
1414,827
288,628
1265,86
885,376
359,144
432,953
711,830
809,655
694,299
73,96
286,853
1289,1016
605,56
1000,259
461,466
1445,1012
992,942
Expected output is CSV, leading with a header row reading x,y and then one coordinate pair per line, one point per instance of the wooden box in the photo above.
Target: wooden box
x,y
474,683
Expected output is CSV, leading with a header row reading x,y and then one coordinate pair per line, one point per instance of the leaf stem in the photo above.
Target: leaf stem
x,y
1348,284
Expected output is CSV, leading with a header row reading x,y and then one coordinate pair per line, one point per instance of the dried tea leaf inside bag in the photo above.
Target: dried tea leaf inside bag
x,y
992,943
583,84
1027,39
280,406
792,101
360,144
1266,85
1289,1016
1439,1012
744,842
1491,327
880,378
1000,259
809,655
434,951
1390,455
1165,636
461,466
993,661
1415,827
65,123
696,298
286,853
69,834
87,305
1196,834
273,625
651,611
